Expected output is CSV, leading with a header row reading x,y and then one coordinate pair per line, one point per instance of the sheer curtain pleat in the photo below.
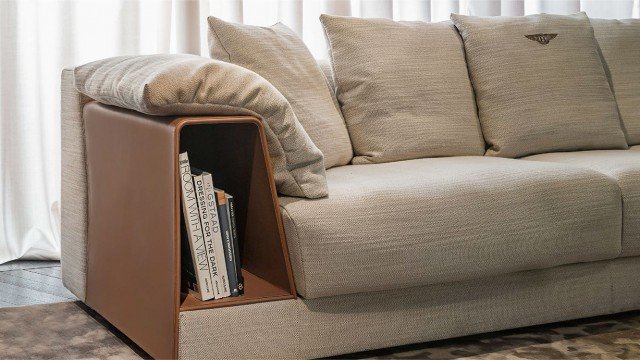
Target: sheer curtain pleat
x,y
290,14
512,7
231,10
260,12
484,7
335,7
29,148
376,9
129,14
608,10
187,31
155,26
552,6
40,37
442,9
418,10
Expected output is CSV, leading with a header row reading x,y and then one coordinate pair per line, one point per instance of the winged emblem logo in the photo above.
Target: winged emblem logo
x,y
541,38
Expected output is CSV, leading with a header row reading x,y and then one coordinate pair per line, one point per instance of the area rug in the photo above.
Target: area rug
x,y
604,337
67,330
70,330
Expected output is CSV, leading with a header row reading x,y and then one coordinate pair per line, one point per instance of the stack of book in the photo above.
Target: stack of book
x,y
211,267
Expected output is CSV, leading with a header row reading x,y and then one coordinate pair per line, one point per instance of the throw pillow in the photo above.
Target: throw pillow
x,y
403,88
182,85
540,85
277,54
619,41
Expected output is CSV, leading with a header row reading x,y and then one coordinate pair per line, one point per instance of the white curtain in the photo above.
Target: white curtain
x,y
40,37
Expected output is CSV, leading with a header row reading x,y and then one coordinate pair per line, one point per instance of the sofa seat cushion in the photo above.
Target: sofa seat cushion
x,y
424,221
624,167
636,148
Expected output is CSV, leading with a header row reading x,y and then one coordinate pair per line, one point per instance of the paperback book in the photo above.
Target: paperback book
x,y
202,288
234,237
207,230
211,211
227,241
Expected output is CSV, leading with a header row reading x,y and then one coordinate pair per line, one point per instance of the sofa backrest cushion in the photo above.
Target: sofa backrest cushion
x,y
403,88
277,54
182,85
619,42
540,85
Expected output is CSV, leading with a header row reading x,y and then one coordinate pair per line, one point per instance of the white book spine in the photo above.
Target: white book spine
x,y
207,228
194,229
212,207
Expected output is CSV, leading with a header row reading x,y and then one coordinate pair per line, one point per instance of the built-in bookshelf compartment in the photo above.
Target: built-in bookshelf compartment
x,y
133,251
234,154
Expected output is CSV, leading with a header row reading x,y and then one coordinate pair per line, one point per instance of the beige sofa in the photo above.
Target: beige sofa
x,y
406,251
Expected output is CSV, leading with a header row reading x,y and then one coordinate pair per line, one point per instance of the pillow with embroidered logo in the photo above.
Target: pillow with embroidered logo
x,y
540,85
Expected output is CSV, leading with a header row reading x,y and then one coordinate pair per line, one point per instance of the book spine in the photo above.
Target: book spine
x,y
187,274
212,207
194,230
227,242
235,241
216,283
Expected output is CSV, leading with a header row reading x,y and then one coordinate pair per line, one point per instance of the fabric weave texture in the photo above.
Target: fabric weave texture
x,y
312,328
192,85
534,98
403,88
619,42
74,188
624,167
279,55
424,221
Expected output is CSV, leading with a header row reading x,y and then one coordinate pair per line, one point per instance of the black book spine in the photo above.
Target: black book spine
x,y
227,243
188,275
236,248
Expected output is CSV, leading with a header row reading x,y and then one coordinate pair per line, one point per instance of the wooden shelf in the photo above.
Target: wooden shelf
x,y
256,290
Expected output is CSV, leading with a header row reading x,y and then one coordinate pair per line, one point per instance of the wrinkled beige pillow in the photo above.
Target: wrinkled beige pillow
x,y
192,85
619,41
403,88
280,56
540,85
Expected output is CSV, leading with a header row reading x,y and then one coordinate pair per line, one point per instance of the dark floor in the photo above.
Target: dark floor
x,y
32,282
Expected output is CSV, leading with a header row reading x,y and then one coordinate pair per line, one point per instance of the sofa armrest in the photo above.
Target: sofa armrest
x,y
147,250
179,85
74,187
175,84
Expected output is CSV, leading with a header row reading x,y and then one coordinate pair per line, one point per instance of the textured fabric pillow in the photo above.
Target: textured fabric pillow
x,y
403,88
192,85
278,55
540,85
619,41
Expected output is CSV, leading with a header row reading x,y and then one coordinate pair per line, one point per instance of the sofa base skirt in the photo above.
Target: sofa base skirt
x,y
350,323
